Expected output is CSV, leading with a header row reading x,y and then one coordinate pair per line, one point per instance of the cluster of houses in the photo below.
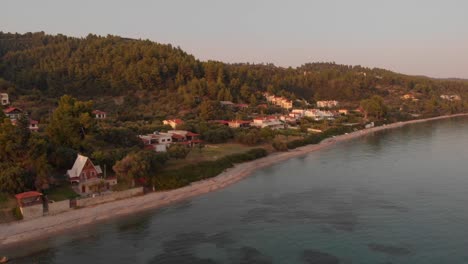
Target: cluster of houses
x,y
161,141
279,101
15,113
327,104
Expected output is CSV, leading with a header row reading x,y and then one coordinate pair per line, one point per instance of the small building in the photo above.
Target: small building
x,y
4,99
242,106
271,122
327,104
157,141
13,112
31,204
279,101
452,97
238,123
370,125
227,103
98,114
173,123
33,125
318,114
88,177
343,111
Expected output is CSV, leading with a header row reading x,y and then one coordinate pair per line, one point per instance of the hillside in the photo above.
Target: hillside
x,y
127,76
224,113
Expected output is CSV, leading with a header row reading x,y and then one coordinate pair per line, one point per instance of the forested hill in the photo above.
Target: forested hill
x,y
112,66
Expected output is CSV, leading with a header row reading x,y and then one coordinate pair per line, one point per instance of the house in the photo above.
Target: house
x,y
270,121
88,177
31,204
242,106
288,118
33,124
453,97
157,141
13,112
227,103
238,123
343,111
370,125
185,137
173,123
327,104
279,101
4,100
99,114
319,114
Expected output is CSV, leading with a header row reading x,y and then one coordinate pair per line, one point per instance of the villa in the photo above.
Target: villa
x,y
88,177
13,112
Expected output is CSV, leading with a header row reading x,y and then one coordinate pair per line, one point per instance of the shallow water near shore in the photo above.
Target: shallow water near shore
x,y
396,196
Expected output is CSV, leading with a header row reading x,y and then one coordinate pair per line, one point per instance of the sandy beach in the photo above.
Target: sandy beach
x,y
22,231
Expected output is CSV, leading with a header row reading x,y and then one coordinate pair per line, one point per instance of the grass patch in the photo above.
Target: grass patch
x,y
209,153
7,201
60,193
207,169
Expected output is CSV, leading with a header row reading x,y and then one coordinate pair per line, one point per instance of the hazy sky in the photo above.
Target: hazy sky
x,y
428,37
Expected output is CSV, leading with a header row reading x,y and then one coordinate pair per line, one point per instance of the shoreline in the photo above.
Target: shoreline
x,y
24,231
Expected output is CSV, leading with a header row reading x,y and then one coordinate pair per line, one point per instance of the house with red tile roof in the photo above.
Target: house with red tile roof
x,y
13,112
88,177
98,114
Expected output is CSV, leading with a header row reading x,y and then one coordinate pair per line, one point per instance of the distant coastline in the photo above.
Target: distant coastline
x,y
18,232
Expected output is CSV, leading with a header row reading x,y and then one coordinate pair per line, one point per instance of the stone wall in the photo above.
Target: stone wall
x,y
59,207
31,212
109,197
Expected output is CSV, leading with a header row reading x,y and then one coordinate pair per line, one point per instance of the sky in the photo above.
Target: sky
x,y
417,37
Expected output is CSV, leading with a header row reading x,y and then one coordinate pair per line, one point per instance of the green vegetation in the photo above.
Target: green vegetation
x,y
207,169
60,193
140,83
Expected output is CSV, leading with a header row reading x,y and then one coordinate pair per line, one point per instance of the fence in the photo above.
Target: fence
x,y
59,207
109,197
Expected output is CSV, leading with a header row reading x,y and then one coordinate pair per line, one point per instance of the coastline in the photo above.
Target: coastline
x,y
43,227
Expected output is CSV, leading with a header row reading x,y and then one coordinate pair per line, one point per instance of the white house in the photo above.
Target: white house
x,y
318,114
157,141
4,100
270,122
327,104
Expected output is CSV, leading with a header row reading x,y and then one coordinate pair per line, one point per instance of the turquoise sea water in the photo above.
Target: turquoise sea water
x,y
397,196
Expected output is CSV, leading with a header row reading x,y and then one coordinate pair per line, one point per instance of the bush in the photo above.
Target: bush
x,y
280,145
17,213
